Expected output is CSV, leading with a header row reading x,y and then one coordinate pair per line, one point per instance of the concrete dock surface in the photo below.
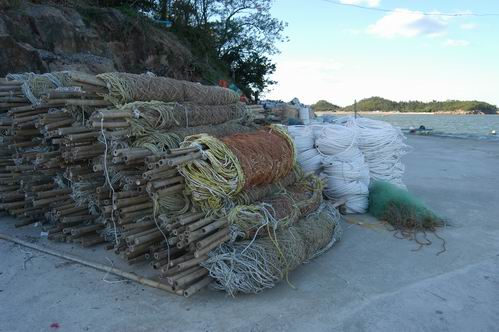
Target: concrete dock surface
x,y
370,281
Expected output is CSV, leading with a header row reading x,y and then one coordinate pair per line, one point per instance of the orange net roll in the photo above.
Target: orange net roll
x,y
265,155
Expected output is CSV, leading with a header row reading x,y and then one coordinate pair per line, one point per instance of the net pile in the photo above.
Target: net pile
x,y
34,85
261,212
153,116
254,265
125,88
164,180
257,193
159,141
236,162
277,210
77,163
410,217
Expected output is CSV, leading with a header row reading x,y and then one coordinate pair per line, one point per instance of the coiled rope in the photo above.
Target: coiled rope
x,y
125,88
344,169
383,147
280,209
252,266
234,163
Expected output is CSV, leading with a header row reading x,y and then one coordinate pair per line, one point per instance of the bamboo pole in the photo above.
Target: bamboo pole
x,y
203,251
207,240
187,219
197,286
190,278
171,279
97,266
87,79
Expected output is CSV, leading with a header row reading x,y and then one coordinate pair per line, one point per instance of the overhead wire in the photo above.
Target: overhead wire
x,y
387,10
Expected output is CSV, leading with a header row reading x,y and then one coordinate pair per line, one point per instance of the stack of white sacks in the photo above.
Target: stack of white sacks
x,y
349,154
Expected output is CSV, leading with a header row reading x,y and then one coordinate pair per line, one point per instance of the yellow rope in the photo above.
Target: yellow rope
x,y
282,131
119,90
215,178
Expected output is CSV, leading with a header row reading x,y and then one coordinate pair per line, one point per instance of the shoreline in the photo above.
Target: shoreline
x,y
466,137
397,113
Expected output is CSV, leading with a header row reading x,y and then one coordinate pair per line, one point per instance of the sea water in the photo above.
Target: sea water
x,y
462,126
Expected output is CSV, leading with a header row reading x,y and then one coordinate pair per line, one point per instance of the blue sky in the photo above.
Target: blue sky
x,y
342,53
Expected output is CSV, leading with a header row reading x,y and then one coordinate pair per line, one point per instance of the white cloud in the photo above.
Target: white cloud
x,y
370,3
357,78
456,43
408,23
468,26
307,79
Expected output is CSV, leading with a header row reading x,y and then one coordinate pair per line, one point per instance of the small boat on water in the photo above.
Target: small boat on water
x,y
422,130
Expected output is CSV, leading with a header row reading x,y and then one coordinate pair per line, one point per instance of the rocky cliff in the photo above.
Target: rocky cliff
x,y
48,37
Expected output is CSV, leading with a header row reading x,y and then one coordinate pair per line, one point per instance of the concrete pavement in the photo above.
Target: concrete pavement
x,y
370,281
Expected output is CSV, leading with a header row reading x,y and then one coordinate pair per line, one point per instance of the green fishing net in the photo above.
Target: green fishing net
x,y
407,214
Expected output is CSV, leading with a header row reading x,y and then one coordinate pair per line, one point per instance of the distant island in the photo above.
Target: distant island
x,y
378,104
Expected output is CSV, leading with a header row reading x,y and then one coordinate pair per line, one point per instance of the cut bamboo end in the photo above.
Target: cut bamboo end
x,y
197,286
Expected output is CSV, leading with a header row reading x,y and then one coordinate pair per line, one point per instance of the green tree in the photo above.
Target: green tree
x,y
324,106
252,73
380,104
246,34
240,34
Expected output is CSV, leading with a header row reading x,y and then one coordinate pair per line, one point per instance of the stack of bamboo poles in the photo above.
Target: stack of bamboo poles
x,y
174,244
52,167
72,163
44,158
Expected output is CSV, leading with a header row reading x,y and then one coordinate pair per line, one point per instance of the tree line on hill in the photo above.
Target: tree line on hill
x,y
234,37
374,104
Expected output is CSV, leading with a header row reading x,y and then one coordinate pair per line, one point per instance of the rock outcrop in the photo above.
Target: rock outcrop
x,y
50,37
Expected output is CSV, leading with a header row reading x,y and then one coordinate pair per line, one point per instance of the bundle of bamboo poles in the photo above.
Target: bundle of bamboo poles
x,y
38,153
71,162
53,168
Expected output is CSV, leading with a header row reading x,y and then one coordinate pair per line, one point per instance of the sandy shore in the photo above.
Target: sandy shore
x,y
370,281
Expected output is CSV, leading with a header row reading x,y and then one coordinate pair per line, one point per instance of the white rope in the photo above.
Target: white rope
x,y
306,154
106,173
344,168
252,266
349,154
332,151
383,147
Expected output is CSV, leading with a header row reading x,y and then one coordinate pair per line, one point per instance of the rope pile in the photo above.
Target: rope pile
x,y
154,115
382,146
254,265
344,169
306,154
236,162
83,171
349,154
278,210
125,88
